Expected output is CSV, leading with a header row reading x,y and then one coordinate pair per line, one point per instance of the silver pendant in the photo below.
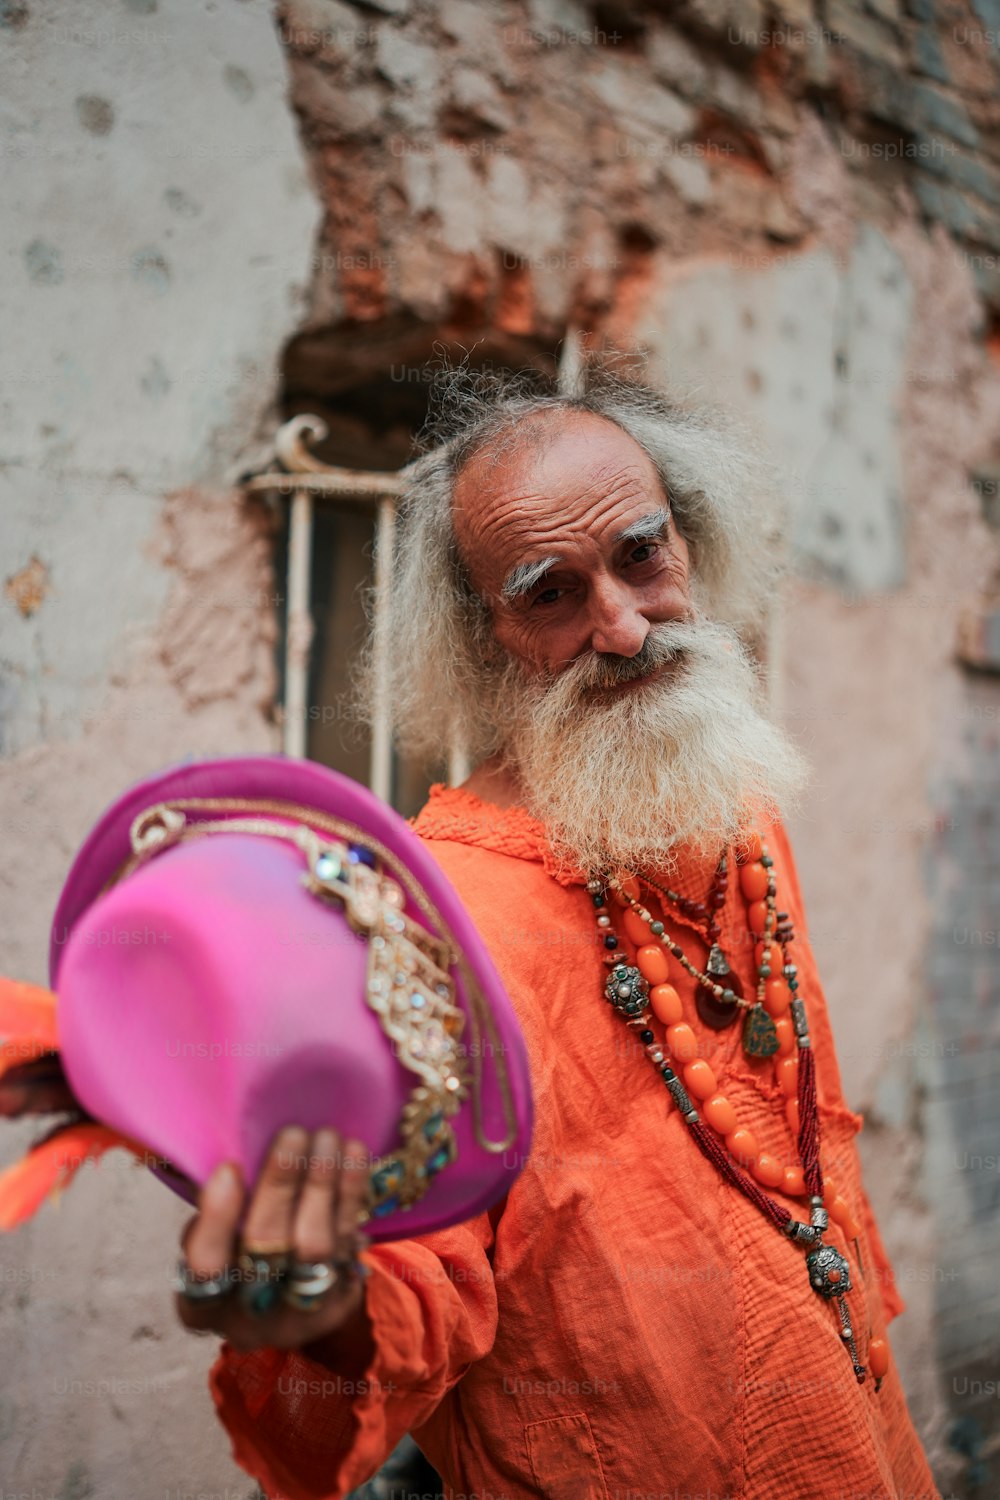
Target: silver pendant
x,y
626,990
717,965
829,1271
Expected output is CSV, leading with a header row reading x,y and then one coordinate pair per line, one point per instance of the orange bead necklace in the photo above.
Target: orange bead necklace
x,y
775,1026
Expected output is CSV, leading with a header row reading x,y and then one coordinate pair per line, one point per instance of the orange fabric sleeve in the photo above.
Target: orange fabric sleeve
x,y
306,1433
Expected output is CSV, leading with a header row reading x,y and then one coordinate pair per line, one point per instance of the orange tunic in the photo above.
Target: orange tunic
x,y
623,1325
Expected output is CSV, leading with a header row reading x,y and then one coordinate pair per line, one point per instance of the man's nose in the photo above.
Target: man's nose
x,y
617,626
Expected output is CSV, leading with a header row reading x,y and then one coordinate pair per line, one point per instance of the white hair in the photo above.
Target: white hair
x,y
717,482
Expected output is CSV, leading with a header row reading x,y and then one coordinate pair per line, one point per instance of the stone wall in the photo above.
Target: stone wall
x,y
157,232
794,209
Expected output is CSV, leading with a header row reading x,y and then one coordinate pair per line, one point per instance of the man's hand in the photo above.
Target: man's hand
x,y
308,1198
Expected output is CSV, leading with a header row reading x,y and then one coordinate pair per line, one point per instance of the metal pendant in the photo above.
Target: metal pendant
x,y
760,1035
626,990
718,964
829,1271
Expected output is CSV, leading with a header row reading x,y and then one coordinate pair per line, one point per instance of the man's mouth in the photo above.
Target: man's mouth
x,y
629,684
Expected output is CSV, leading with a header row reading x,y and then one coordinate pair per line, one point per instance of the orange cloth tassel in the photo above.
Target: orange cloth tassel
x,y
51,1166
27,1022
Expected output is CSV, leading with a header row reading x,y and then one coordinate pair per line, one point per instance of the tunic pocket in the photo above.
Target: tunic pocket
x,y
564,1459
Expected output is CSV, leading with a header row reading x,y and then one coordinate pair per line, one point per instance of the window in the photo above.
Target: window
x,y
370,389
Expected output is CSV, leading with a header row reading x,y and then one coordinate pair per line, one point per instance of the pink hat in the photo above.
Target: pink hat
x,y
250,943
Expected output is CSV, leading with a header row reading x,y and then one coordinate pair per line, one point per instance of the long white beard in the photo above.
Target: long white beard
x,y
627,779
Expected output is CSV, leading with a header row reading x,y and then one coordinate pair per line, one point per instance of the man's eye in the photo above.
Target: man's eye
x,y
644,552
547,596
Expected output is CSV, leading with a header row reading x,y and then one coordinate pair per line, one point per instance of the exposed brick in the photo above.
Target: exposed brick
x,y
761,109
677,61
557,123
945,203
942,114
691,177
554,20
973,65
633,97
739,22
889,10
326,30
927,55
867,34
459,200
800,33
476,96
781,220
388,7
798,13
963,169
404,61
27,588
480,38
413,69
333,111
417,168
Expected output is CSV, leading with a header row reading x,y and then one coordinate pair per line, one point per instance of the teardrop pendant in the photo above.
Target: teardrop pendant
x,y
713,1011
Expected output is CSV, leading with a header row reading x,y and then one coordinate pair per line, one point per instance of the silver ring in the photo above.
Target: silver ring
x,y
260,1276
195,1288
309,1281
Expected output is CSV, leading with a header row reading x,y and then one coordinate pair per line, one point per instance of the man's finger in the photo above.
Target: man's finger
x,y
272,1209
352,1193
314,1220
209,1239
207,1245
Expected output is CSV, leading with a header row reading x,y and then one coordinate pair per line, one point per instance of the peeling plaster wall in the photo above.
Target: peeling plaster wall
x,y
157,233
778,342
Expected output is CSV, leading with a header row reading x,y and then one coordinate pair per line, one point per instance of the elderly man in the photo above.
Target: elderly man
x,y
638,1317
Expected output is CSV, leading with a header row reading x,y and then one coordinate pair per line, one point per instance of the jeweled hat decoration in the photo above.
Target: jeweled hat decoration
x,y
250,943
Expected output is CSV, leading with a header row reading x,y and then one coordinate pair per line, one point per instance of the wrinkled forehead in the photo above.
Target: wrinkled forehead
x,y
554,472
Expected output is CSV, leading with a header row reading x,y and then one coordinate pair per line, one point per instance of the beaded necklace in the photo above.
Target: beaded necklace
x,y
775,1026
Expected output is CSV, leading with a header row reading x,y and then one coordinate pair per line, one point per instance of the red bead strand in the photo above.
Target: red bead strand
x,y
809,1124
709,1146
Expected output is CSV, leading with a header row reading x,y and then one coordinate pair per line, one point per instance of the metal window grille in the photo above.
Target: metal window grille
x,y
305,478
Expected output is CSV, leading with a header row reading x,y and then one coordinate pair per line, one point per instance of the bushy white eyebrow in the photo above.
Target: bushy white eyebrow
x,y
526,576
647,529
522,579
